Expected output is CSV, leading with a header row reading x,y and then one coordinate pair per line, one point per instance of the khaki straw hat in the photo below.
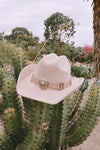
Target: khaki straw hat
x,y
49,81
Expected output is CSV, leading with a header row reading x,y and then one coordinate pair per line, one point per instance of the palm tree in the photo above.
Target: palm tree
x,y
96,26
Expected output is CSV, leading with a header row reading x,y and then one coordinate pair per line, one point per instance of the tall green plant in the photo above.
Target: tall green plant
x,y
86,118
43,126
18,61
6,53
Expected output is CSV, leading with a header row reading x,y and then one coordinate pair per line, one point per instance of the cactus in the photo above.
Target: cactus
x,y
6,143
65,118
84,86
42,126
3,72
82,127
10,118
38,126
10,103
18,62
55,126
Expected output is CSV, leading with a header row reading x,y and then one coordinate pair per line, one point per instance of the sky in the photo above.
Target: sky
x,y
32,13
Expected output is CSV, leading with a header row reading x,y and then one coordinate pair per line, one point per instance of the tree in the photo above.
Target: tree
x,y
16,32
96,26
21,30
53,23
22,38
25,41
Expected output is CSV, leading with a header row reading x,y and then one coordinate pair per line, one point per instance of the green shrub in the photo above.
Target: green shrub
x,y
65,51
49,50
78,54
32,53
89,58
79,71
62,49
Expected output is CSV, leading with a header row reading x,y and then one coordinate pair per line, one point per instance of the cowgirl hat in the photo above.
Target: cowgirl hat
x,y
49,81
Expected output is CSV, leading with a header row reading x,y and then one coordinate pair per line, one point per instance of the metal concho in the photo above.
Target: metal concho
x,y
43,84
60,86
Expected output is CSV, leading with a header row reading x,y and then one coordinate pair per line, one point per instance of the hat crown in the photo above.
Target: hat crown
x,y
49,81
53,68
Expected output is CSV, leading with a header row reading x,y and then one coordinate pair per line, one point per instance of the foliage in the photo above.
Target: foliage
x,y
32,53
2,36
80,71
25,41
21,30
16,32
83,54
78,54
72,49
22,38
65,50
53,23
88,54
6,53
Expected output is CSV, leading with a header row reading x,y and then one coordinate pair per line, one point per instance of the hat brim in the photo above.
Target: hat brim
x,y
28,89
